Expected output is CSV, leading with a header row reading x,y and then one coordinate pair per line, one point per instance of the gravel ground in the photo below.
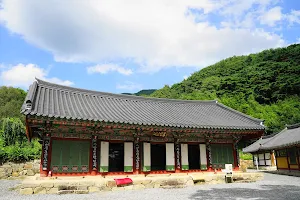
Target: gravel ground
x,y
275,187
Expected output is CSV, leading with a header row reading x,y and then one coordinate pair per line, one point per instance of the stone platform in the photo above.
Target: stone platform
x,y
87,184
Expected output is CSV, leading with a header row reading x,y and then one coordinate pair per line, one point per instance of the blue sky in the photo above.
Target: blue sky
x,y
117,47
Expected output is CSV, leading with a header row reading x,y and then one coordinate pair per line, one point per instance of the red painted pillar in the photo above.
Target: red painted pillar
x,y
236,157
45,160
136,154
208,155
94,155
177,157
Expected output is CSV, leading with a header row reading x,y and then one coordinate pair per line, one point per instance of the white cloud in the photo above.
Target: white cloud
x,y
152,34
128,85
294,17
272,16
105,68
23,75
185,77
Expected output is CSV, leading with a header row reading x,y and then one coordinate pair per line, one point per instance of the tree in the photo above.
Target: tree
x,y
13,131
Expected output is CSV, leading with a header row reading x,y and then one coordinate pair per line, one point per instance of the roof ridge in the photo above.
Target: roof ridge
x,y
124,96
238,112
293,126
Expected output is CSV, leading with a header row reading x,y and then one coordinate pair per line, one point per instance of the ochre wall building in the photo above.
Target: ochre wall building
x,y
86,132
285,144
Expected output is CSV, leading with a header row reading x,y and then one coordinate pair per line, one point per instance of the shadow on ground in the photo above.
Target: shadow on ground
x,y
274,192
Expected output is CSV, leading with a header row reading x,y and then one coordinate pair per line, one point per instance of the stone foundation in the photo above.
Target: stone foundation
x,y
11,170
89,184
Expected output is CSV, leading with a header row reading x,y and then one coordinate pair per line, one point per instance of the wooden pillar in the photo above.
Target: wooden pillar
x,y
236,156
208,153
177,156
137,155
45,164
94,155
287,159
298,160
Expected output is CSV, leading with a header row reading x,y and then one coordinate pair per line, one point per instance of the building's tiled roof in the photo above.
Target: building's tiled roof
x,y
258,145
289,136
56,101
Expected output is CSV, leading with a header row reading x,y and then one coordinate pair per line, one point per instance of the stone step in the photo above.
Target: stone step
x,y
73,192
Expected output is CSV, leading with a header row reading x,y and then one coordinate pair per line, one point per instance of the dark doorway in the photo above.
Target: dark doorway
x,y
116,157
194,156
158,157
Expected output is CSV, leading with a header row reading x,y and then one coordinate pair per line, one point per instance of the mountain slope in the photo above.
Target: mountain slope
x,y
265,85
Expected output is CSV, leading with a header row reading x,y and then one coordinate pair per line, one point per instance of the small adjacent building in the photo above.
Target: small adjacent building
x,y
285,144
86,132
261,157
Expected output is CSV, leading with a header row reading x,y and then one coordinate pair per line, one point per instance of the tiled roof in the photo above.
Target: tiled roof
x,y
56,101
258,145
287,137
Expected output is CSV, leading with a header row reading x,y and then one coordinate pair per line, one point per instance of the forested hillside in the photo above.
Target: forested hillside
x,y
265,85
142,92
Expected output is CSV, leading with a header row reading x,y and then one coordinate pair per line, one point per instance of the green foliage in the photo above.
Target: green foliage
x,y
245,156
13,131
264,85
20,152
11,100
142,92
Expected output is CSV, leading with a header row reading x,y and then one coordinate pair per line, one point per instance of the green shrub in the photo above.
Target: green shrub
x,y
20,152
245,156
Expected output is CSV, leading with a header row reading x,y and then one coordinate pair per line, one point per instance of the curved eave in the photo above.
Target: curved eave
x,y
148,124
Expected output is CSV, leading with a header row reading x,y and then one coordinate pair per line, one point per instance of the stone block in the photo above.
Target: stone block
x,y
29,185
189,183
15,174
30,172
94,189
28,166
2,169
81,191
67,187
86,183
6,166
82,187
9,171
73,183
26,191
39,190
57,184
52,190
111,183
100,184
65,192
47,184
118,189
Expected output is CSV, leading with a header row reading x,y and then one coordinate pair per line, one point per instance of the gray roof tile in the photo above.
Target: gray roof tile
x,y
287,137
58,101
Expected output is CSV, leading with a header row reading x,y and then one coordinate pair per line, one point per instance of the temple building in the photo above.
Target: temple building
x,y
262,157
86,132
285,144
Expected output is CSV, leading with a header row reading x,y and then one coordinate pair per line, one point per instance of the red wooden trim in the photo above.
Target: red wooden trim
x,y
50,155
91,157
42,172
234,156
